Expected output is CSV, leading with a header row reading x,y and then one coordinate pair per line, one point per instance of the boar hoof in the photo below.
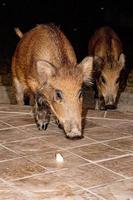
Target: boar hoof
x,y
42,126
96,104
103,108
99,105
59,124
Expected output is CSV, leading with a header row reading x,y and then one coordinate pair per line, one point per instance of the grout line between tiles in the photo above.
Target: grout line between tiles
x,y
87,190
25,156
124,176
6,123
111,119
10,149
3,129
22,140
105,184
28,159
92,162
124,151
17,127
107,145
109,140
26,125
26,193
31,138
93,193
99,142
113,158
109,184
105,114
119,138
30,176
12,126
8,112
10,159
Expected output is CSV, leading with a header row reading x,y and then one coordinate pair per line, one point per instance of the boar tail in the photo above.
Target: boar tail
x,y
18,32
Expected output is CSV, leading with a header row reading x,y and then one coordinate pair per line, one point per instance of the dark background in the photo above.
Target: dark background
x,y
77,18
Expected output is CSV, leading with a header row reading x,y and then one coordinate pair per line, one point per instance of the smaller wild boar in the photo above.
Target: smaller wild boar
x,y
109,60
44,65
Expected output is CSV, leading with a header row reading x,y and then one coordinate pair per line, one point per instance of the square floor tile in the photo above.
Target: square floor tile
x,y
96,152
119,115
89,124
48,160
5,154
19,168
51,130
122,190
125,144
11,193
4,115
50,186
31,146
19,120
109,123
15,108
123,166
125,127
95,113
104,133
4,125
47,186
14,134
88,176
65,143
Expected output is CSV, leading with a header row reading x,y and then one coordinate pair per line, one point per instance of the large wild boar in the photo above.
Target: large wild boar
x,y
44,65
109,60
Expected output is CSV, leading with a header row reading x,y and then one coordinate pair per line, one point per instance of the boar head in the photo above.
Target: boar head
x,y
62,89
108,78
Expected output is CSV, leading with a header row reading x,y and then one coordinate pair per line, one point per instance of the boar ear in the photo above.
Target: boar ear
x,y
122,60
86,68
45,70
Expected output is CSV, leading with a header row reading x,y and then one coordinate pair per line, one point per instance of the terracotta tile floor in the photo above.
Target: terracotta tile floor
x,y
97,167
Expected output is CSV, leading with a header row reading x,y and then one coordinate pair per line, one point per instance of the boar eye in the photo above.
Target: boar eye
x,y
80,94
58,95
118,80
103,80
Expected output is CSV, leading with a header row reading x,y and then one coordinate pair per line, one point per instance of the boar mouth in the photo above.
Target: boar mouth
x,y
74,134
110,107
77,137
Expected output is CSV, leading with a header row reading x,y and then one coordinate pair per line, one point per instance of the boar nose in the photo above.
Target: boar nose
x,y
72,130
110,103
74,134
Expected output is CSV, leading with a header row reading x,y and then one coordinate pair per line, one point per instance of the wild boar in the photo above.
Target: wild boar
x,y
44,64
109,60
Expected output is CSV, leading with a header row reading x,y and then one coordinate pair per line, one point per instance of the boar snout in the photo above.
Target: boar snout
x,y
110,102
72,130
74,134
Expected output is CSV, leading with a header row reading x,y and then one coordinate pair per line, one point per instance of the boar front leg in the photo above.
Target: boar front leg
x,y
99,104
99,101
19,91
41,113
